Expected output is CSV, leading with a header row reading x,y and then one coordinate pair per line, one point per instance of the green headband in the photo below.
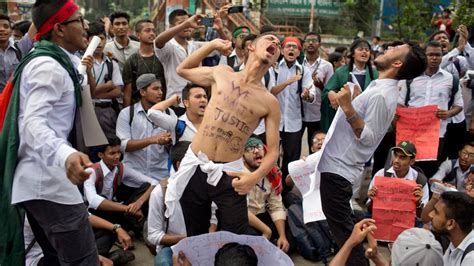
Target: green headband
x,y
239,30
253,142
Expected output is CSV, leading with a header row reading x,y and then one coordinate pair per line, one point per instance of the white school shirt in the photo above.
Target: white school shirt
x,y
446,167
468,54
151,160
46,117
156,219
171,55
130,178
100,71
426,90
345,154
324,69
452,256
289,98
411,175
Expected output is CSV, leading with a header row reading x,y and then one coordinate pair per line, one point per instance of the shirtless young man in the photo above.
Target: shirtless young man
x,y
212,168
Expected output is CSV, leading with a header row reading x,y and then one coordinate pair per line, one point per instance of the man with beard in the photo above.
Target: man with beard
x,y
264,199
212,168
433,87
47,92
144,61
453,216
357,129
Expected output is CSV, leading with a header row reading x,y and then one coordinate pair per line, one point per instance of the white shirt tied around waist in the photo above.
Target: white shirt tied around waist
x,y
178,182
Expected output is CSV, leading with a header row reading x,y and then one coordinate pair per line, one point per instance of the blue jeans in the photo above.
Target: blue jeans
x,y
164,257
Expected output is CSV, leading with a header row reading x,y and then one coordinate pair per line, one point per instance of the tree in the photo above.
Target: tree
x,y
360,14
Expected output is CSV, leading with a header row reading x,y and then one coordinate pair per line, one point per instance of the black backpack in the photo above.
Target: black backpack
x,y
452,176
314,240
420,178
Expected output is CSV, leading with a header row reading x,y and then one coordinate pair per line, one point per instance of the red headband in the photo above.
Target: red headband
x,y
291,39
60,16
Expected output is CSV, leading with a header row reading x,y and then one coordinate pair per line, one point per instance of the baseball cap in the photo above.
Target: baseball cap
x,y
406,147
145,80
417,246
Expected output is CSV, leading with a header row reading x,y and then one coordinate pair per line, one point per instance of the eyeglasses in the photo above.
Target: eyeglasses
x,y
318,141
80,19
254,148
242,36
464,153
290,45
312,40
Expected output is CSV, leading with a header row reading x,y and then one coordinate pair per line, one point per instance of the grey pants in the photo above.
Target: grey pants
x,y
63,232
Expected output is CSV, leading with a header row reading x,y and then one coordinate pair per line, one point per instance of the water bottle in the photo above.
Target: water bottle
x,y
438,188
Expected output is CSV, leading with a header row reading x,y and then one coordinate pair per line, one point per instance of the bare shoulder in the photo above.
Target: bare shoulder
x,y
223,68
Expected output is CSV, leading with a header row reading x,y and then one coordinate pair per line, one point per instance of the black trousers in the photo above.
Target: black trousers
x,y
63,232
453,140
382,151
291,145
196,205
431,167
104,240
311,127
336,193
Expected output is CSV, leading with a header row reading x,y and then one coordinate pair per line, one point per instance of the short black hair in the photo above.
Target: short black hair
x,y
119,14
414,63
235,254
267,28
376,37
139,24
176,13
341,49
113,141
247,38
22,26
5,17
460,207
438,33
334,57
468,143
96,29
312,33
187,90
177,152
434,44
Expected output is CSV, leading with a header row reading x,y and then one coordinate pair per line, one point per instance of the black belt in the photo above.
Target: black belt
x,y
103,104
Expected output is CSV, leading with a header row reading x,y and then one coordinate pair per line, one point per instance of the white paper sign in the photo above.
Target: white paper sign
x,y
201,250
91,130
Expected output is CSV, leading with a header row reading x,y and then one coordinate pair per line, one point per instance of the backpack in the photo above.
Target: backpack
x,y
452,176
99,178
454,89
466,251
314,240
300,86
421,179
164,186
17,52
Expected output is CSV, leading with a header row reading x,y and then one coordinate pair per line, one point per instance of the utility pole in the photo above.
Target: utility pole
x,y
378,27
311,19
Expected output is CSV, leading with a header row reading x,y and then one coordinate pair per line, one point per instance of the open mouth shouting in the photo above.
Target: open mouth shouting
x,y
272,49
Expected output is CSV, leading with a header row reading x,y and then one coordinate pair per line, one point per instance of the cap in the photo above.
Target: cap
x,y
253,141
144,80
406,147
242,29
417,246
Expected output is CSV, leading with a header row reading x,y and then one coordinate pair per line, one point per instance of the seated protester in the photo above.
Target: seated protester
x,y
452,216
413,246
403,158
105,234
264,200
454,171
142,140
108,81
184,128
164,232
111,190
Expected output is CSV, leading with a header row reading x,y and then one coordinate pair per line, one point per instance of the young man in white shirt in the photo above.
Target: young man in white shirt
x,y
355,133
321,71
143,142
293,85
453,216
434,86
114,190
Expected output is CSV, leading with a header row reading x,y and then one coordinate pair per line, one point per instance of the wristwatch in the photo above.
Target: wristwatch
x,y
116,226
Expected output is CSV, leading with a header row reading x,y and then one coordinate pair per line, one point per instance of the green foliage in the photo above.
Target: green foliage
x,y
464,13
95,9
358,15
413,18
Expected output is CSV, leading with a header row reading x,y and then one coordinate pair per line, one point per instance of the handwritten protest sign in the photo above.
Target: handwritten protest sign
x,y
201,250
307,180
421,127
394,207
